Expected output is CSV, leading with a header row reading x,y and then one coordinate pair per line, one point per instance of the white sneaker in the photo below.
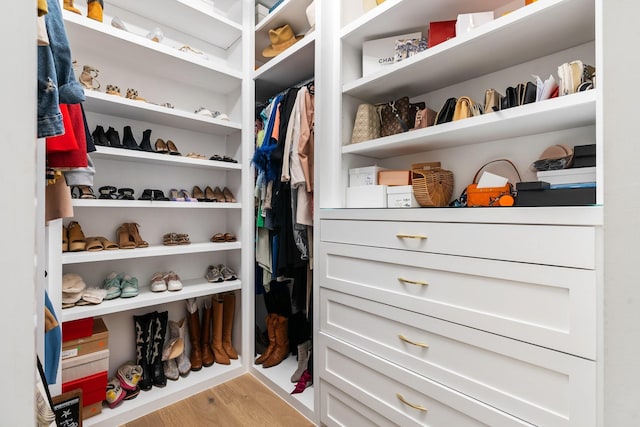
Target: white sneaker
x,y
173,281
158,284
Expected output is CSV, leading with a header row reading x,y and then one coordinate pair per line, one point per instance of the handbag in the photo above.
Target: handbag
x,y
394,117
490,196
366,125
425,117
492,100
432,186
575,76
445,114
413,110
465,108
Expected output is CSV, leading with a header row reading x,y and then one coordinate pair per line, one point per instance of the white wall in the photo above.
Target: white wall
x,y
17,227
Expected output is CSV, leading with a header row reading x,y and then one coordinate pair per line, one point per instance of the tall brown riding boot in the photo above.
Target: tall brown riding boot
x,y
228,310
282,342
207,356
271,332
218,352
193,323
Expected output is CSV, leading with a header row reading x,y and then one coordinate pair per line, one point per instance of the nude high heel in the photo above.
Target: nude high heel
x,y
135,235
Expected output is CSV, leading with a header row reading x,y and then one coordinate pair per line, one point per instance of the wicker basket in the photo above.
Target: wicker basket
x,y
432,185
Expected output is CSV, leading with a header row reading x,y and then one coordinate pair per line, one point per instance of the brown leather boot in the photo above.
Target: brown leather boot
x,y
207,356
281,351
271,332
193,323
228,310
218,352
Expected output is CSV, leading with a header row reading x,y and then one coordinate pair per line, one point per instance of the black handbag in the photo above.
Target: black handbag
x,y
445,114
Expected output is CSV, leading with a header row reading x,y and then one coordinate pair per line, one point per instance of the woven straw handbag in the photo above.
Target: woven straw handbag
x,y
432,185
366,125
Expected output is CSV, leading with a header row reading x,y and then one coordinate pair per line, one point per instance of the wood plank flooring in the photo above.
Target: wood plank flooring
x,y
243,401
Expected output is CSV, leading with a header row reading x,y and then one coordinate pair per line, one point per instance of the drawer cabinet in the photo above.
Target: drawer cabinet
x,y
405,398
553,307
568,246
539,385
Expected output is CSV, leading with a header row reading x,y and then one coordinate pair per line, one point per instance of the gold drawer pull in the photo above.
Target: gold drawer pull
x,y
411,236
413,282
413,405
416,343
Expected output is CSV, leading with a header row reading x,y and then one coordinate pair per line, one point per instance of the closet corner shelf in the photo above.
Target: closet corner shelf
x,y
566,23
119,106
151,251
192,17
160,159
192,288
119,204
142,53
290,67
158,398
565,112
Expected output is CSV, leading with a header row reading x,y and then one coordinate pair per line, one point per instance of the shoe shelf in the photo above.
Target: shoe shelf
x,y
193,17
290,67
151,251
104,203
158,398
114,105
161,159
292,12
144,54
565,112
192,288
525,34
278,378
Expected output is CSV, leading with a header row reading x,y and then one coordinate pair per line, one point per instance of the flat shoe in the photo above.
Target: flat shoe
x,y
108,244
93,244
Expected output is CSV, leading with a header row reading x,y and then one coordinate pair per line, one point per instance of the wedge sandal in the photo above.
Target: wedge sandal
x,y
77,240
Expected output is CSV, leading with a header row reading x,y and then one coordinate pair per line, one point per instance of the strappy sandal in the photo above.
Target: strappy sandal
x,y
82,192
88,77
107,244
107,192
125,194
229,237
170,239
183,239
216,157
196,156
187,196
133,94
77,240
113,90
124,238
93,244
218,237
135,236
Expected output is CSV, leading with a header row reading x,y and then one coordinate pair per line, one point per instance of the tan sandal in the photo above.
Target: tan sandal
x,y
218,237
170,239
77,240
124,238
229,237
93,244
108,244
133,94
65,239
135,236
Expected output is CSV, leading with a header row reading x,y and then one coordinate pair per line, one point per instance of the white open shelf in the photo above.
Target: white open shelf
x,y
528,33
106,203
192,288
151,251
278,378
158,398
144,54
119,106
292,12
290,67
555,114
192,17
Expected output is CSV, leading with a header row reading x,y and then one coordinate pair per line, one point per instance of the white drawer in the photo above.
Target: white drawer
x,y
541,386
568,246
553,307
378,384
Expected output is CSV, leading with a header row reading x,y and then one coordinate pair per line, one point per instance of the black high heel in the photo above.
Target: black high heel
x,y
128,141
147,194
82,192
145,144
107,192
125,194
99,137
114,137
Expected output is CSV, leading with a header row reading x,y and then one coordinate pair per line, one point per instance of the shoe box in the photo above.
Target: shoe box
x,y
75,329
85,366
97,340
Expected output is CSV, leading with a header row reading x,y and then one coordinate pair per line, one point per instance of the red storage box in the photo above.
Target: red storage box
x,y
440,31
94,387
75,329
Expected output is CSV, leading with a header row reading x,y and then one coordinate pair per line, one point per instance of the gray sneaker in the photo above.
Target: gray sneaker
x,y
213,274
227,273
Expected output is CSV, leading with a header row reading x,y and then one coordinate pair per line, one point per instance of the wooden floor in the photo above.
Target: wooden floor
x,y
243,401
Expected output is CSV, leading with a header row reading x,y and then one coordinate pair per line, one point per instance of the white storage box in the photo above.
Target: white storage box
x,y
381,52
364,176
401,196
568,176
468,21
367,196
82,366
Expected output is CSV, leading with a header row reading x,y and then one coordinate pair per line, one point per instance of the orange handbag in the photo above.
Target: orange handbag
x,y
491,196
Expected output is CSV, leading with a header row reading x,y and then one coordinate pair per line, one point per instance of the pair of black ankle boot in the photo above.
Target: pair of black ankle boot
x,y
111,138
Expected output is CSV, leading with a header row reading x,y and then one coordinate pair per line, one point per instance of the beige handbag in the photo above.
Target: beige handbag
x,y
465,108
366,125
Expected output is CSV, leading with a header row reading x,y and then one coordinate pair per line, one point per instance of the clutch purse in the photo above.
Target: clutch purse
x,y
445,114
465,108
394,116
366,125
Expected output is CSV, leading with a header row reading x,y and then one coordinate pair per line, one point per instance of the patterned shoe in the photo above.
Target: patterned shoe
x,y
115,393
129,374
